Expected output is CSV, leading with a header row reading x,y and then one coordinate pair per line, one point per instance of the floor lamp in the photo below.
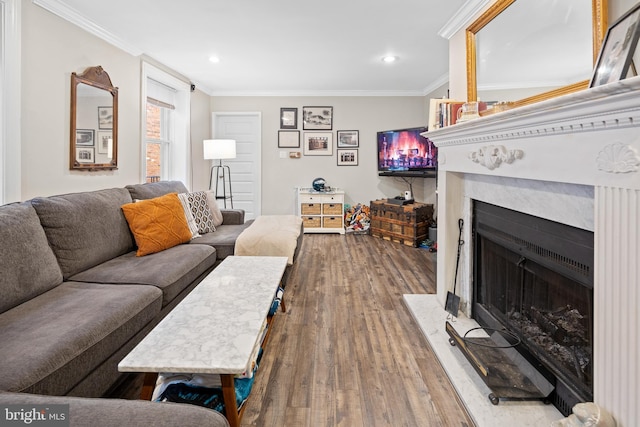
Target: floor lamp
x,y
220,149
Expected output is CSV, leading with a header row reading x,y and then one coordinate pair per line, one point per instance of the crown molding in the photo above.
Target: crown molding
x,y
462,18
443,79
318,93
68,13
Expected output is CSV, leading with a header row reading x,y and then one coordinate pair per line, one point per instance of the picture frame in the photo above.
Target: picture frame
x,y
105,117
288,139
618,48
318,143
317,118
347,156
85,137
348,138
288,118
85,154
103,141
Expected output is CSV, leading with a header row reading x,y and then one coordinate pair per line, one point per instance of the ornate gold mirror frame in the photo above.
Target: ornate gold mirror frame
x,y
94,121
599,23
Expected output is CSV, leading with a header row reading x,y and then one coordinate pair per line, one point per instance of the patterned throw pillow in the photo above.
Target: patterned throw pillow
x,y
191,221
157,224
201,211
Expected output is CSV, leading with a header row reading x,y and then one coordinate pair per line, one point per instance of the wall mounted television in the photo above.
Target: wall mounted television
x,y
404,152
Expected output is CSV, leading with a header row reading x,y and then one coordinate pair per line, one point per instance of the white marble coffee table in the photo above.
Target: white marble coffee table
x,y
216,327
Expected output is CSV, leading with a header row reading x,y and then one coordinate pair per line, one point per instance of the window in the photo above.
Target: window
x,y
159,137
165,144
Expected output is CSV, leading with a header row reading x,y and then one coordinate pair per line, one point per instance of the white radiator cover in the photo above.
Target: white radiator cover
x,y
576,160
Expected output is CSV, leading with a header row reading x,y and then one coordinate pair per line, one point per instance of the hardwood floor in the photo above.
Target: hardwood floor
x,y
347,351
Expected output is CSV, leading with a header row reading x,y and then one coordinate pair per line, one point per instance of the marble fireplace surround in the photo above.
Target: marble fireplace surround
x,y
576,160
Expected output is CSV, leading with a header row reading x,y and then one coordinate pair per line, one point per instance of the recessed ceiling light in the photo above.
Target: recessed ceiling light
x,y
389,59
214,59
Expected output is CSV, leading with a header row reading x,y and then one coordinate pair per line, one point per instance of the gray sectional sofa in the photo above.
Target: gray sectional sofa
x,y
76,299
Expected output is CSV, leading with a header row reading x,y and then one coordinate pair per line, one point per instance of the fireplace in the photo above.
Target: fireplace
x,y
574,159
534,277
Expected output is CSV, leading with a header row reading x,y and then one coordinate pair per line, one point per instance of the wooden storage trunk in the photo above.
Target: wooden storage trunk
x,y
406,224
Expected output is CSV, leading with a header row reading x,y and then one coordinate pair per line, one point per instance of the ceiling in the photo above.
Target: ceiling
x,y
284,47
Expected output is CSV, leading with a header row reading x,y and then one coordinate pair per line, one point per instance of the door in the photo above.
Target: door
x,y
246,130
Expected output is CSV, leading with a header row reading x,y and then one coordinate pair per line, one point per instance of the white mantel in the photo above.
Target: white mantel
x,y
576,160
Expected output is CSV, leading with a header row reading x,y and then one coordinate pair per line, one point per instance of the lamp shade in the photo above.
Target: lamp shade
x,y
219,148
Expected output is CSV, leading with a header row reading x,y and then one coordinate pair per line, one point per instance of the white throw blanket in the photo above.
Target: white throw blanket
x,y
270,235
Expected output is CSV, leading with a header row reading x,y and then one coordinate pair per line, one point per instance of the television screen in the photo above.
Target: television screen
x,y
406,150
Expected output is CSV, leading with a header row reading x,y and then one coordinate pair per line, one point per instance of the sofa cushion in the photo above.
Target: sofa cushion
x,y
215,209
155,189
27,263
157,224
171,270
223,239
85,229
59,336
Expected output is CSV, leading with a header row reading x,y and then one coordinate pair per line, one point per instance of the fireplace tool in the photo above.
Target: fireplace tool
x,y
452,303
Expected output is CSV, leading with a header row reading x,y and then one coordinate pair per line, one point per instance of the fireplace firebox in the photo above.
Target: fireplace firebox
x,y
534,277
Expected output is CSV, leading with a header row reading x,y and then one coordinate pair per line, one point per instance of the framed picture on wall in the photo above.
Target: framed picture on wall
x,y
288,118
318,143
347,157
85,137
348,139
105,117
288,139
317,118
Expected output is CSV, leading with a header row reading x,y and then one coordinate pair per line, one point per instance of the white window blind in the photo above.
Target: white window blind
x,y
160,94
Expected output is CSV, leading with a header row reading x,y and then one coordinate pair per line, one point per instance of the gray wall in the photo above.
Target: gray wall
x,y
361,183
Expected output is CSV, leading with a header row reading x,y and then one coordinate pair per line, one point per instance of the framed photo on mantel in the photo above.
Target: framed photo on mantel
x,y
618,48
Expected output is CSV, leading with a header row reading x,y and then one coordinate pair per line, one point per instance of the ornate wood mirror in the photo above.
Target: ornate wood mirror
x,y
533,48
94,121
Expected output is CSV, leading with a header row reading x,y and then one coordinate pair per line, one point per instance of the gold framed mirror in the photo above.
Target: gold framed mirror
x,y
94,121
597,24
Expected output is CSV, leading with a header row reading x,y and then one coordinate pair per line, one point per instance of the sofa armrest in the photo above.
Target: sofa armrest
x,y
100,412
232,216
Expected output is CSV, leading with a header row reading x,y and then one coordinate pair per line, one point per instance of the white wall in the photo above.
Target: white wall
x,y
361,183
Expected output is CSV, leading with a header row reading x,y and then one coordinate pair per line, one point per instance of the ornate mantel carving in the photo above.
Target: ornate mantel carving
x,y
618,158
492,156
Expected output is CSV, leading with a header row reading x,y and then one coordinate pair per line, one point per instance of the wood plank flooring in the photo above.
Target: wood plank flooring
x,y
347,351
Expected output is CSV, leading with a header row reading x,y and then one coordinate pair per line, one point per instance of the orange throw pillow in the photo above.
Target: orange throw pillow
x,y
157,224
